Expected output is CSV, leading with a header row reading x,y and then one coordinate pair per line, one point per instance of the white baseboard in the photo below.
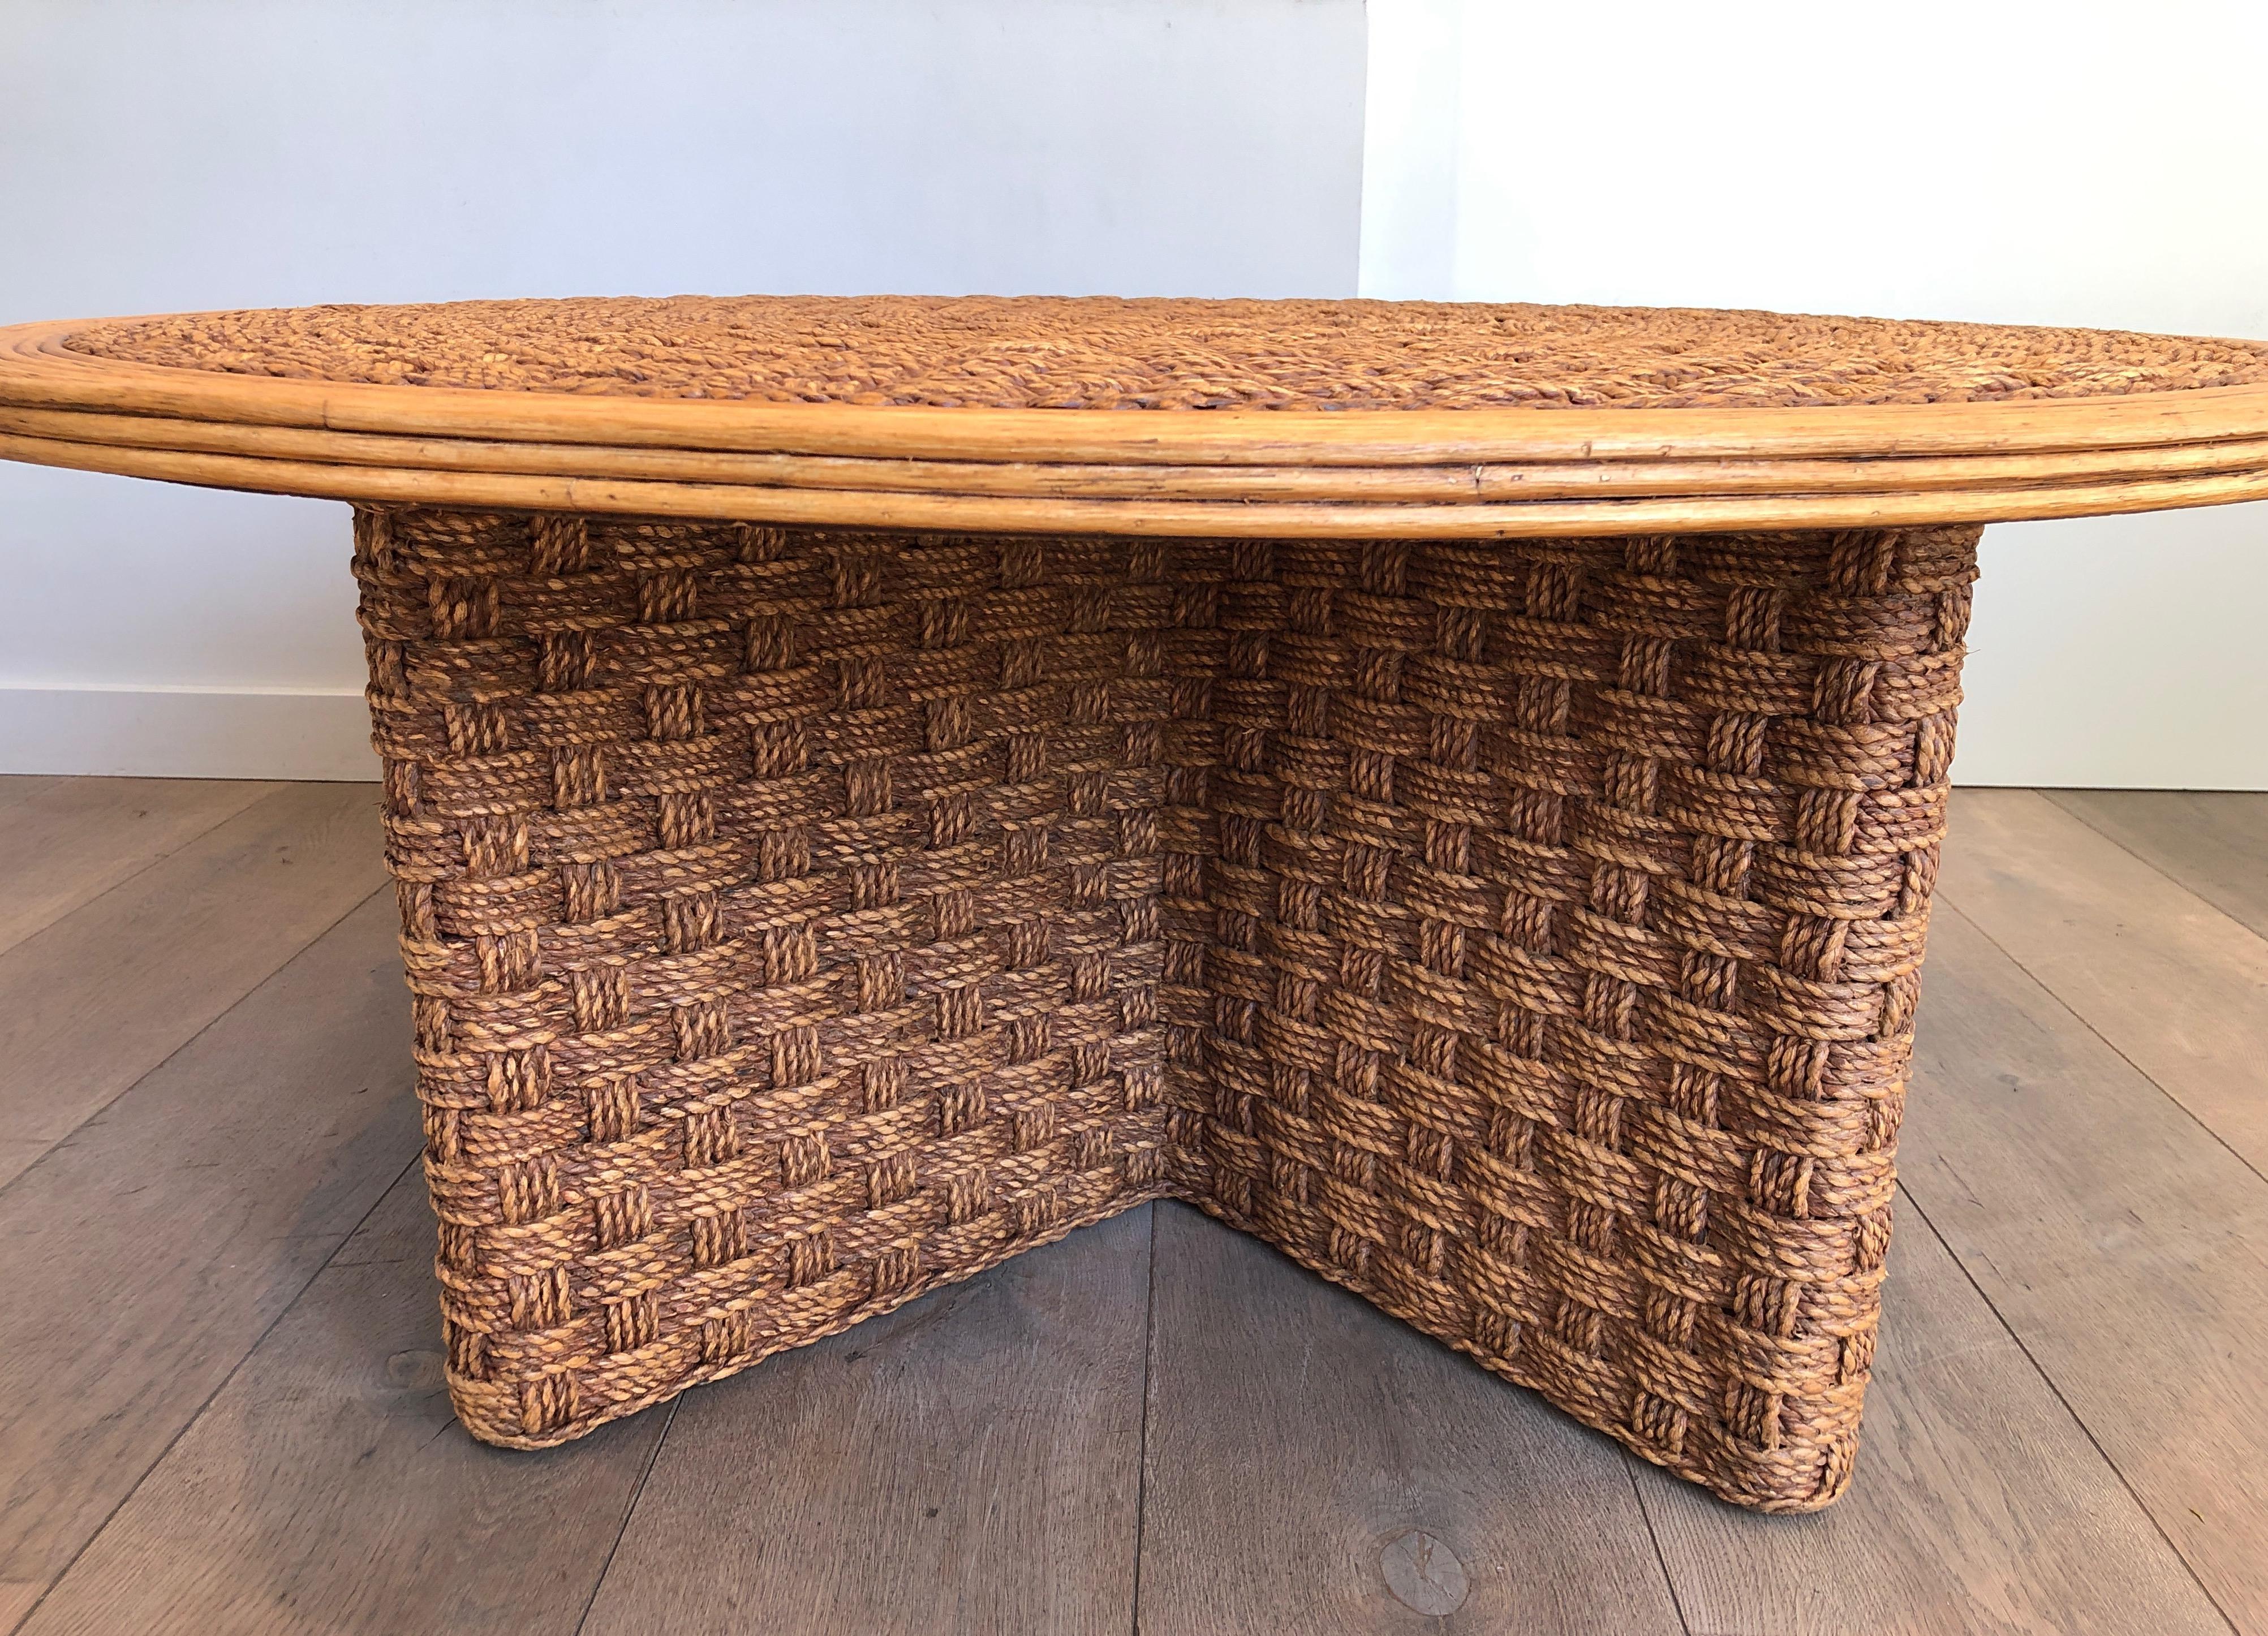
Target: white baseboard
x,y
186,734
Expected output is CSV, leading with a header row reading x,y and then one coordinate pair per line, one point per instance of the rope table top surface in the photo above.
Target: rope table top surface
x,y
1349,419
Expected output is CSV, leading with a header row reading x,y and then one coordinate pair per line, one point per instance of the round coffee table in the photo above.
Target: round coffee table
x,y
875,785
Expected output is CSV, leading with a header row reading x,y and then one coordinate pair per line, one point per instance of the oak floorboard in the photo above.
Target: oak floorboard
x,y
1979,1506
94,1001
2214,842
142,1259
72,839
2125,1246
1313,1464
328,1489
970,1461
2175,986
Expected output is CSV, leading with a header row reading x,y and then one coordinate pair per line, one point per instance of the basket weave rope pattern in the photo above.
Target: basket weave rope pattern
x,y
1524,935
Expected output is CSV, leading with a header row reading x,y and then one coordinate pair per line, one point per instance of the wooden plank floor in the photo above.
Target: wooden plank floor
x,y
222,1395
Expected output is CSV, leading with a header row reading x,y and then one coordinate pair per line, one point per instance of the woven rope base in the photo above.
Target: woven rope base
x,y
1523,935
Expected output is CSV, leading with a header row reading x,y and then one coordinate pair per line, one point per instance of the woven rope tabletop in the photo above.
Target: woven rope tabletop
x,y
1052,352
1259,419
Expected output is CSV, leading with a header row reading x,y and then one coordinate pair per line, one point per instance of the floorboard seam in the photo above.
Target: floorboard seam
x,y
220,1386
1142,1458
1668,1579
637,1491
128,880
159,1066
2154,867
2077,1419
1944,905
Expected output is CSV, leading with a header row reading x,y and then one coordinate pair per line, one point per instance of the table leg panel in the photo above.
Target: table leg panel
x,y
1569,922
779,917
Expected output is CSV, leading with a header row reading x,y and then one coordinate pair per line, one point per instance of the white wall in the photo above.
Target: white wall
x,y
157,155
2080,163
2075,163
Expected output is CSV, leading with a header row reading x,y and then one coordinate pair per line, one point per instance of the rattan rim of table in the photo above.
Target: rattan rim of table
x,y
1412,473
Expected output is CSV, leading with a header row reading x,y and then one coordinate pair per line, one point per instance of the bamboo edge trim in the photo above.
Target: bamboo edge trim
x,y
1443,484
36,371
1241,519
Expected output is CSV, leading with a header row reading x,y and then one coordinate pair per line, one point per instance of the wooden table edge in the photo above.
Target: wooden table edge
x,y
1247,518
38,371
